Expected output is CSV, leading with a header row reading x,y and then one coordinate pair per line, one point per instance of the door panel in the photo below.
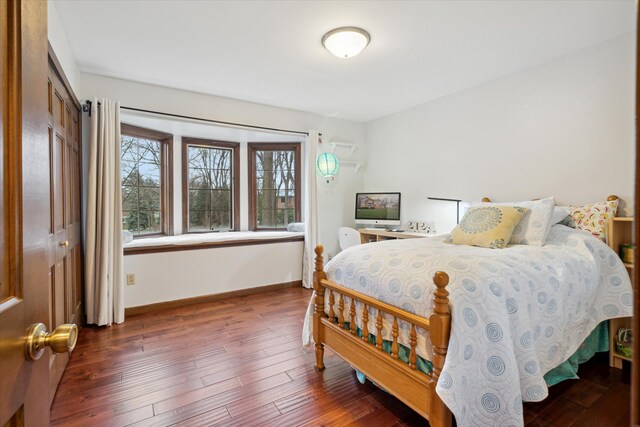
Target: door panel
x,y
57,185
64,240
24,296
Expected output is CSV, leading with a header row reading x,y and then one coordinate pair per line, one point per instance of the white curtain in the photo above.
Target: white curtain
x,y
311,227
104,278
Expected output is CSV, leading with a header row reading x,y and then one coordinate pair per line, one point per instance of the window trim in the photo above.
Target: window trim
x,y
235,178
252,147
166,174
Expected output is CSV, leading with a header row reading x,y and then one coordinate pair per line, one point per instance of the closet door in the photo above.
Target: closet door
x,y
65,250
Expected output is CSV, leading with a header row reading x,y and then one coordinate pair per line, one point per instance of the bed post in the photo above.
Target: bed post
x,y
318,314
440,329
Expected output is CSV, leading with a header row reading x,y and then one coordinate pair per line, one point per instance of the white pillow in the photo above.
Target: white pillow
x,y
127,236
534,226
559,213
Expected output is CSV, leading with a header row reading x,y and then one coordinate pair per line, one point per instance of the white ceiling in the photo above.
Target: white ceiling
x,y
270,51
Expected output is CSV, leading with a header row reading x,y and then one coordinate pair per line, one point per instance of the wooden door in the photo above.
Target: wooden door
x,y
65,250
24,202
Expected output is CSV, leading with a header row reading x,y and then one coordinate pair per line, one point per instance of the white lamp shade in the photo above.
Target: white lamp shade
x,y
327,164
346,42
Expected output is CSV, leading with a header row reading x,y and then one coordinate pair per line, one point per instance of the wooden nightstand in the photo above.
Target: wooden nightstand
x,y
620,231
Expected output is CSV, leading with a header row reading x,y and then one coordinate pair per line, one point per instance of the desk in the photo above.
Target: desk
x,y
368,235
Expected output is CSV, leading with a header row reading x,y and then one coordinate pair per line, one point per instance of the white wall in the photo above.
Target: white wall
x,y
60,43
168,276
564,128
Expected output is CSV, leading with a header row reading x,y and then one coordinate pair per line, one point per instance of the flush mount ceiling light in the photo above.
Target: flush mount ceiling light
x,y
345,42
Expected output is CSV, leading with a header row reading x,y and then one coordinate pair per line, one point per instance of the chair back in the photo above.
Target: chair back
x,y
348,237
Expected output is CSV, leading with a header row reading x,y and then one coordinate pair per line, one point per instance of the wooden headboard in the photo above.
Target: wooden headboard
x,y
610,198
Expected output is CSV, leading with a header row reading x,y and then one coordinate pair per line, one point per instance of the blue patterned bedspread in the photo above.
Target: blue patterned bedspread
x,y
516,313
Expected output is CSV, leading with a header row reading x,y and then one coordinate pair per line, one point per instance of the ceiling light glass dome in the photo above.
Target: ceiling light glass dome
x,y
346,42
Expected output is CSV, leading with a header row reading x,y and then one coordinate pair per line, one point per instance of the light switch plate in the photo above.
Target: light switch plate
x,y
131,279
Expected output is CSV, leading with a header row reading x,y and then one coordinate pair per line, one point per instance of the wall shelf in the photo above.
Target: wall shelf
x,y
357,165
351,147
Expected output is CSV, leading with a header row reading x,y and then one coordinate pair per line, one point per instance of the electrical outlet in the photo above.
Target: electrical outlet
x,y
131,279
329,256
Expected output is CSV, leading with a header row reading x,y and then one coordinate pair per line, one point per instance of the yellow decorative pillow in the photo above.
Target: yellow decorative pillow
x,y
487,226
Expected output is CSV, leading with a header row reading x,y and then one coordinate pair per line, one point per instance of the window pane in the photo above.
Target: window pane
x,y
149,198
221,199
210,187
220,220
141,185
149,174
125,220
289,199
267,199
129,198
199,220
149,222
149,151
282,217
128,149
275,188
199,200
129,173
267,218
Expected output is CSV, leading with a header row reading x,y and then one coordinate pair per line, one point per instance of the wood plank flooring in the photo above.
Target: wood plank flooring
x,y
239,362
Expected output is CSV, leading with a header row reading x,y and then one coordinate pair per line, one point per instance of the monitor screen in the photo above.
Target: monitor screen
x,y
378,208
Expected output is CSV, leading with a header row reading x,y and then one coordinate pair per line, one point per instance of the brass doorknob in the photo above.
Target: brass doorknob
x,y
64,243
61,340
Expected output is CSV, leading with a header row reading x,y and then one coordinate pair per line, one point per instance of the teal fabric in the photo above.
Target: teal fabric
x,y
597,341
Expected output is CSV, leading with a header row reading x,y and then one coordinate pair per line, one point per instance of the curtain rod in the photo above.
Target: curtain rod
x,y
86,107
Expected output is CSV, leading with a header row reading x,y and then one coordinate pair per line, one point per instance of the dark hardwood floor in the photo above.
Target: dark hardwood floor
x,y
240,362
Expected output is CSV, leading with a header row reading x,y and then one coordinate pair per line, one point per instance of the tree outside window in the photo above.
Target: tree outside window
x,y
144,183
274,185
210,185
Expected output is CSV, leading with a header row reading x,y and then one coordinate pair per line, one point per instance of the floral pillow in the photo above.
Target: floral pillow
x,y
593,218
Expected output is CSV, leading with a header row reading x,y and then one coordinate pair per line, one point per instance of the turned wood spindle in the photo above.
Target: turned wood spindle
x,y
365,321
352,314
318,276
332,301
413,357
394,334
341,311
379,330
439,330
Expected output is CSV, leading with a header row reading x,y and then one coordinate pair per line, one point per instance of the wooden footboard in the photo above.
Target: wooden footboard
x,y
415,388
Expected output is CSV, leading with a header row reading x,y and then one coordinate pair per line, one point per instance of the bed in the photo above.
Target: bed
x,y
465,330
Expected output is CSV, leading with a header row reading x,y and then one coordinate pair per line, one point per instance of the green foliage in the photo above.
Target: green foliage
x,y
140,191
275,172
209,188
378,213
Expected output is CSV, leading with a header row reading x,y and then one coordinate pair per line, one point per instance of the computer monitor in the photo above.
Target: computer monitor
x,y
378,208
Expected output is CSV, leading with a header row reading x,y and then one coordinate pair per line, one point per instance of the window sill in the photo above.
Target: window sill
x,y
188,242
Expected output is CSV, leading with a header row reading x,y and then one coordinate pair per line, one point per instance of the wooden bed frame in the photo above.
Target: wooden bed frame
x,y
415,388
